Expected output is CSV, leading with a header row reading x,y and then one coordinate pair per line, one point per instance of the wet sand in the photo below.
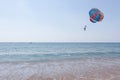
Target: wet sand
x,y
68,69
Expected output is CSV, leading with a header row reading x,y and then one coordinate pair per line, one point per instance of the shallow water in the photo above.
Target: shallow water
x,y
67,69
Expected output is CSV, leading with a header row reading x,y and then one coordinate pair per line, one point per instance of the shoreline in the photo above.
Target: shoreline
x,y
67,69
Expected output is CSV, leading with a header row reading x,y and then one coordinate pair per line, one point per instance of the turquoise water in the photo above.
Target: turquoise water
x,y
49,51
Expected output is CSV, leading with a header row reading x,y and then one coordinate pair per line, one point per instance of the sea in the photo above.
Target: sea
x,y
38,51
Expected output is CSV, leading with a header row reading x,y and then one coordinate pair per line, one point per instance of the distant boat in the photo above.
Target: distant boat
x,y
30,42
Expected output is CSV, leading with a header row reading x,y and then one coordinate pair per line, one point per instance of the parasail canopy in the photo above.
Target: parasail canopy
x,y
96,15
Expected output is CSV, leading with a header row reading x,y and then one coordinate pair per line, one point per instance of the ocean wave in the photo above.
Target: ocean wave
x,y
40,57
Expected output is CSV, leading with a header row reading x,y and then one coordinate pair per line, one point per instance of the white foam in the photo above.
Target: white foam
x,y
22,71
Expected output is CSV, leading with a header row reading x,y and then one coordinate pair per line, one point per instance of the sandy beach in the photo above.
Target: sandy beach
x,y
69,69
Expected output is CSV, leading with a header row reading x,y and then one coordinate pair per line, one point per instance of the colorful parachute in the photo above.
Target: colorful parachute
x,y
95,15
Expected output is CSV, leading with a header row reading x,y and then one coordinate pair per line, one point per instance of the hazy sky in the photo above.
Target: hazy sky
x,y
58,21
